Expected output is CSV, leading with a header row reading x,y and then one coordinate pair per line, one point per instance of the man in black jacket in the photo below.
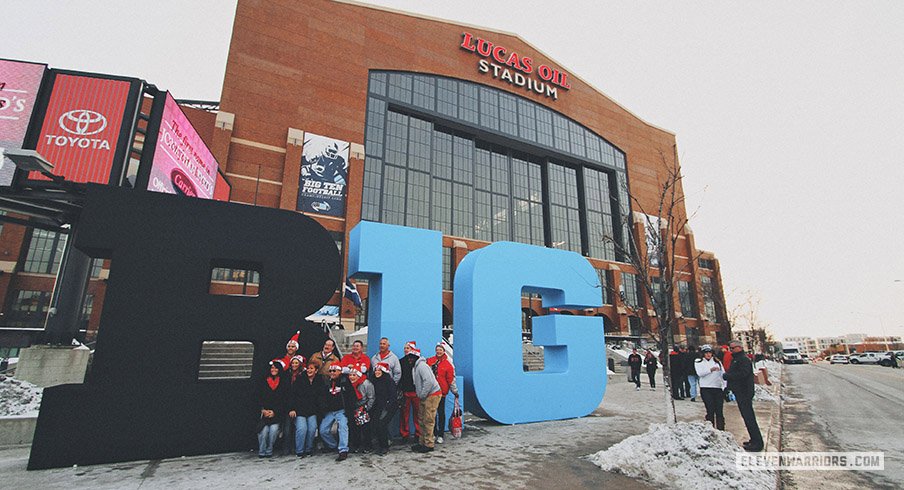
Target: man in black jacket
x,y
634,361
740,381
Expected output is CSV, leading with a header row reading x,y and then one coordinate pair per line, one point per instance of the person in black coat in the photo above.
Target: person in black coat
x,y
740,381
304,406
385,405
651,364
634,362
272,397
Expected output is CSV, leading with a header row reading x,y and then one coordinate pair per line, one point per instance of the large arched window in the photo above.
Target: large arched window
x,y
481,163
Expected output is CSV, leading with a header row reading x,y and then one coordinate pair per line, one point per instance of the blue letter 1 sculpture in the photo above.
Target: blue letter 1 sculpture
x,y
488,351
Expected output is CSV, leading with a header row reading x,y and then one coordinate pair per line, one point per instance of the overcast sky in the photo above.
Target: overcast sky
x,y
789,118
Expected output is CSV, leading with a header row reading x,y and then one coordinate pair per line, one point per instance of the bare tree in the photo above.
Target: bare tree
x,y
655,261
745,315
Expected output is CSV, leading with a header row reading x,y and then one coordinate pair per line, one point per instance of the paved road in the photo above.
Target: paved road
x,y
846,408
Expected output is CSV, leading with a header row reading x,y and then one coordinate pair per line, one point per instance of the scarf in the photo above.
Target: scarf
x,y
295,375
384,356
356,384
273,382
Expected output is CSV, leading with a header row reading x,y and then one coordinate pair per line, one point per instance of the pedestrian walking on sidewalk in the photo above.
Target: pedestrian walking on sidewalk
x,y
634,361
691,373
740,381
675,373
710,371
651,364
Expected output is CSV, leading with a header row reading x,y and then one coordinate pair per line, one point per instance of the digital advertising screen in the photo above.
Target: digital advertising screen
x,y
19,85
182,162
324,175
82,127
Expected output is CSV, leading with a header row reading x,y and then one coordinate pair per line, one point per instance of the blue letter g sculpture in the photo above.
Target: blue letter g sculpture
x,y
488,350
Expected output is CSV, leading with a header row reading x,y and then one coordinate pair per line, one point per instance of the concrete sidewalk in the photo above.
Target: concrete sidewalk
x,y
542,454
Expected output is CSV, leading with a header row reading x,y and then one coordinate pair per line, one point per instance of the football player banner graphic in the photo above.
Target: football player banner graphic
x,y
324,175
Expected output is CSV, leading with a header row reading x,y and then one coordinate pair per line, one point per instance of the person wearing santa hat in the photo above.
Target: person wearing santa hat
x,y
272,399
295,373
445,375
291,351
332,406
357,359
389,357
429,394
410,400
358,401
304,405
385,404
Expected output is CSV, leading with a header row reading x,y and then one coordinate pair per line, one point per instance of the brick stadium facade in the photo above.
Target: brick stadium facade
x,y
360,73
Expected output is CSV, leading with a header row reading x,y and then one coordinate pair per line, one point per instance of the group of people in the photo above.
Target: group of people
x,y
718,375
357,394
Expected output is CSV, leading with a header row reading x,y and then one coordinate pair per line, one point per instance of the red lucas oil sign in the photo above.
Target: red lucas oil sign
x,y
515,68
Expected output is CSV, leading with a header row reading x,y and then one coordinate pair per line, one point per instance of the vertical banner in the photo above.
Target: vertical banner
x,y
19,85
324,175
182,162
82,127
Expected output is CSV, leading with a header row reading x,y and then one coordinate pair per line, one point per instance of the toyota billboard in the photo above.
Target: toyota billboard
x,y
83,127
19,85
182,162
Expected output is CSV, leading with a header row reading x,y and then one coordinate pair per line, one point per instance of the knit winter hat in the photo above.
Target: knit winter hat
x,y
382,366
354,371
278,363
300,359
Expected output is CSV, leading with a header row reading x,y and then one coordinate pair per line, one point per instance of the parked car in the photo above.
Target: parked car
x,y
887,359
866,358
839,359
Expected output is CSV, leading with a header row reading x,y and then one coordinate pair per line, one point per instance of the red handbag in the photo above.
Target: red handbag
x,y
455,424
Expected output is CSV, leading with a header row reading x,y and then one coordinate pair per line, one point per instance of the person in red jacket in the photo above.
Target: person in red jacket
x,y
445,375
357,359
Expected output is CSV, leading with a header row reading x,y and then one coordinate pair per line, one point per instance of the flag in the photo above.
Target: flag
x,y
351,292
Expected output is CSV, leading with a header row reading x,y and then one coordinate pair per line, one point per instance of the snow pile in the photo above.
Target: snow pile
x,y
762,394
684,455
19,397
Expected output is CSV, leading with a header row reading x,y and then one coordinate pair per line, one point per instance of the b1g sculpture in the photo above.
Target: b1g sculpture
x,y
143,399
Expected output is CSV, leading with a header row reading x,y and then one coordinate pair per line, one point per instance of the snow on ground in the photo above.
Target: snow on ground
x,y
19,397
684,455
763,394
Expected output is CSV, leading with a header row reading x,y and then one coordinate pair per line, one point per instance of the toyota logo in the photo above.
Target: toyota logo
x,y
83,122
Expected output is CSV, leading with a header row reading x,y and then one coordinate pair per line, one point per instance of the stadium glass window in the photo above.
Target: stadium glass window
x,y
686,298
45,252
629,289
604,285
447,268
471,182
29,309
709,304
237,281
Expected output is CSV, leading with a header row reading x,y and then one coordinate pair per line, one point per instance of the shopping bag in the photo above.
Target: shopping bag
x,y
455,424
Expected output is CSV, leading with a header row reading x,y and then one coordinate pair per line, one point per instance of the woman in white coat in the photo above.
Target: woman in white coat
x,y
710,371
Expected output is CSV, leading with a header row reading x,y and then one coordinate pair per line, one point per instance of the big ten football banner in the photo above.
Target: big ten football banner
x,y
83,123
19,85
324,175
182,162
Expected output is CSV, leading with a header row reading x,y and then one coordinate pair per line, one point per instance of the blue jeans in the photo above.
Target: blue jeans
x,y
327,435
305,427
266,438
692,379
